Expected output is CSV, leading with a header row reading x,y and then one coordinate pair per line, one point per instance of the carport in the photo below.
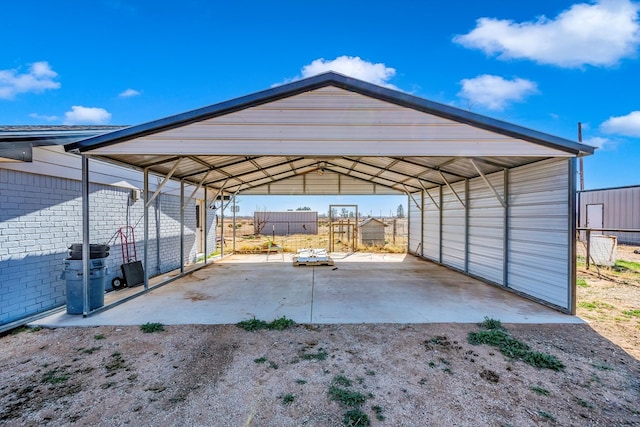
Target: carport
x,y
489,199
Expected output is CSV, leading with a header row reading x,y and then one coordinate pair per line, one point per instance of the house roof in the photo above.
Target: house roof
x,y
327,134
369,220
17,142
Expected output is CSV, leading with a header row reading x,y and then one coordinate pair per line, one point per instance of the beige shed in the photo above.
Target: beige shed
x,y
371,232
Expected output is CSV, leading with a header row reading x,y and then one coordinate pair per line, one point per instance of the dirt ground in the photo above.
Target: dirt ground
x,y
330,375
403,375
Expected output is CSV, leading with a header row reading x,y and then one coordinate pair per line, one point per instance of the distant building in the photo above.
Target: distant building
x,y
611,208
285,223
371,232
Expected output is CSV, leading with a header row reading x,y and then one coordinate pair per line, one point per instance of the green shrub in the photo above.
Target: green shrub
x,y
149,327
355,418
515,349
252,324
281,323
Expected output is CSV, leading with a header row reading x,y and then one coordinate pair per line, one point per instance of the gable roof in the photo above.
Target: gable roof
x,y
340,81
328,134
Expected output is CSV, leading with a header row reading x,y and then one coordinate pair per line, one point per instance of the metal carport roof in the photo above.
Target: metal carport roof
x,y
328,134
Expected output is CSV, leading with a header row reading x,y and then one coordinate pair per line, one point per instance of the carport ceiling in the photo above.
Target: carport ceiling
x,y
328,134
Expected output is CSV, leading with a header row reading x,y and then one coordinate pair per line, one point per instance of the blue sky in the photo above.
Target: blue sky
x,y
546,65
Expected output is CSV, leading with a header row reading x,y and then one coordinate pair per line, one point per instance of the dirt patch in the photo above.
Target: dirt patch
x,y
321,375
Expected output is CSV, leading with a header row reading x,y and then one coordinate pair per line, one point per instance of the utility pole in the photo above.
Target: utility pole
x,y
581,158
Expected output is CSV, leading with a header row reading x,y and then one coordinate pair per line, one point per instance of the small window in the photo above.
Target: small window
x,y
197,216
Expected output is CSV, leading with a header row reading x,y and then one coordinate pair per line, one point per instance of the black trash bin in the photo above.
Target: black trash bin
x,y
74,273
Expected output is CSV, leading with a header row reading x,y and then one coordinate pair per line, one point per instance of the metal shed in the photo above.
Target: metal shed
x,y
285,223
616,208
488,198
371,231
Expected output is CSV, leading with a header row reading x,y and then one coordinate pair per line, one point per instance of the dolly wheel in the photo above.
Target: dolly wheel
x,y
118,283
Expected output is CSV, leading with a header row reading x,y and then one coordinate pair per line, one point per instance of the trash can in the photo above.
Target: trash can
x,y
73,274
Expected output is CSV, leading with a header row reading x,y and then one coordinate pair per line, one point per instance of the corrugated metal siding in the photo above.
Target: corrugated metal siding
x,y
453,226
539,231
621,210
431,227
327,184
334,121
415,225
486,228
285,223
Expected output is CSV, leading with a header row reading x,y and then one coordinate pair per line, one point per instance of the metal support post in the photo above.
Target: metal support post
x,y
182,226
146,228
85,235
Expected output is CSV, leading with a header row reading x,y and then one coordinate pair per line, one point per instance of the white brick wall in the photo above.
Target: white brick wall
x,y
41,215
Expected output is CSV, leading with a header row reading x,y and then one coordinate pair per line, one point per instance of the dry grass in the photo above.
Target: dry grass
x,y
247,242
609,299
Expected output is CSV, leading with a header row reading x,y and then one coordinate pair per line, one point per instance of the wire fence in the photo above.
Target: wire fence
x,y
246,241
608,249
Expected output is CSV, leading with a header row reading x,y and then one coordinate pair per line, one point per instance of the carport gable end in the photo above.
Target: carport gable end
x,y
332,134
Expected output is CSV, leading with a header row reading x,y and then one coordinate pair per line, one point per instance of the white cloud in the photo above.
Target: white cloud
x,y
598,142
628,125
352,66
39,78
129,93
598,34
86,116
44,117
495,92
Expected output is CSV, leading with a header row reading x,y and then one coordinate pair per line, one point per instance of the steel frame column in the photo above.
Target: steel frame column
x,y
440,225
505,231
182,226
85,235
205,226
571,212
146,228
466,225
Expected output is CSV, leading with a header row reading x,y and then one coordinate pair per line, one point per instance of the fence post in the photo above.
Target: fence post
x,y
588,246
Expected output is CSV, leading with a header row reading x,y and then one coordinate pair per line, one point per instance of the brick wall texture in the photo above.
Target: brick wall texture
x,y
40,216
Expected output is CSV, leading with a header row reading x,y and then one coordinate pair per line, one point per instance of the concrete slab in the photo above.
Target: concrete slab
x,y
361,288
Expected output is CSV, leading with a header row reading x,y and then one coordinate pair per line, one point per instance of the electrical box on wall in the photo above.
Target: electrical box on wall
x,y
135,195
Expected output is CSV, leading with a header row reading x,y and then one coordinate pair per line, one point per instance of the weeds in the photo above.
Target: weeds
x,y
346,397
355,418
254,324
378,410
539,390
490,323
149,327
99,337
320,355
631,313
54,376
281,323
288,398
601,366
301,382
584,403
582,283
91,350
514,349
624,266
343,381
263,360
546,415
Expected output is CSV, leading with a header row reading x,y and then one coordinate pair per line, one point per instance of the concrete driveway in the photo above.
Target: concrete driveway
x,y
360,288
